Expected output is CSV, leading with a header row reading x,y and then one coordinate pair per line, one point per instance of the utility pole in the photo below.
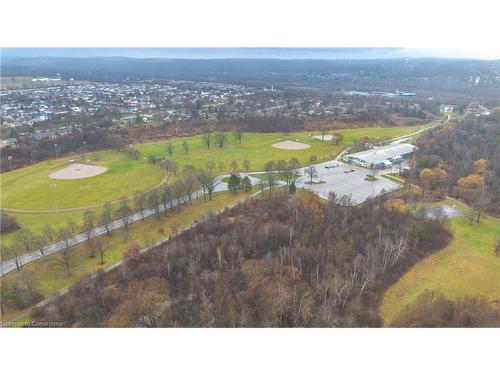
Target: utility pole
x,y
57,153
84,148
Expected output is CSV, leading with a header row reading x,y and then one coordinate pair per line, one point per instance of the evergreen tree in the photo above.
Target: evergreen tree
x,y
234,183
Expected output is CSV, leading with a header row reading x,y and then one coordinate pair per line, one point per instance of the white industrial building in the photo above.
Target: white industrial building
x,y
381,157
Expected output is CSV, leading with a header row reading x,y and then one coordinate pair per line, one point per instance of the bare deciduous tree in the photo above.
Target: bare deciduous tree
x,y
14,252
312,172
220,138
238,136
124,212
185,147
139,203
65,257
106,217
154,202
207,139
179,191
208,180
169,148
190,186
49,233
270,168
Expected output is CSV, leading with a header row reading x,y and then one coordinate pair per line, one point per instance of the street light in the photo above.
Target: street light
x,y
84,147
9,158
55,147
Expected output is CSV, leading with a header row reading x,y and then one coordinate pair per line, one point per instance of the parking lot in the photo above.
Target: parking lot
x,y
352,184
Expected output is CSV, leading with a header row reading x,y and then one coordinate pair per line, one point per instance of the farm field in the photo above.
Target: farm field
x,y
466,267
48,279
30,188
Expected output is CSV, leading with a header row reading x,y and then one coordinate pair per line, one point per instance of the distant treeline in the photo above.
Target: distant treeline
x,y
29,151
441,78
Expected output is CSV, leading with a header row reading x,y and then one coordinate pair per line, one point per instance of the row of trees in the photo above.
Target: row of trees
x,y
164,199
220,138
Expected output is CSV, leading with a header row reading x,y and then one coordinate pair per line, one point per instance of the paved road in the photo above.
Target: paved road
x,y
9,265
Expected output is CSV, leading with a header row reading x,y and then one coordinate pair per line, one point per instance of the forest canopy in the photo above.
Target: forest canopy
x,y
281,261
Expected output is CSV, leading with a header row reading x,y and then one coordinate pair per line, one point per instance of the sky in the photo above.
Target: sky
x,y
274,53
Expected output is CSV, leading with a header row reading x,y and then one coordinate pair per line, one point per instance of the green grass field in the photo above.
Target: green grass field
x,y
48,279
30,188
256,147
467,266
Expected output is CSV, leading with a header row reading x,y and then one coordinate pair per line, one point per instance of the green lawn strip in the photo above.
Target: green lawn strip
x,y
49,280
467,266
393,179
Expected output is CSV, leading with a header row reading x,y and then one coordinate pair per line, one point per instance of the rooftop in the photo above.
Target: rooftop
x,y
379,154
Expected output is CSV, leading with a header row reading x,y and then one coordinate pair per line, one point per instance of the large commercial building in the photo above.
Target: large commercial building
x,y
381,157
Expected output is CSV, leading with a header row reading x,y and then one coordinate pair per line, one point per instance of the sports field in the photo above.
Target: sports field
x,y
31,189
467,266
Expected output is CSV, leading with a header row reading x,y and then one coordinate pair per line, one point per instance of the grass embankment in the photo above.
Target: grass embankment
x,y
397,180
49,279
466,267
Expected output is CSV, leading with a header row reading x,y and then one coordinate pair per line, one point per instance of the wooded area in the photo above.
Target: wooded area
x,y
282,261
463,160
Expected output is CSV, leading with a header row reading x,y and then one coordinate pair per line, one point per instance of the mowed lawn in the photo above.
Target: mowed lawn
x,y
49,279
257,147
467,266
31,188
